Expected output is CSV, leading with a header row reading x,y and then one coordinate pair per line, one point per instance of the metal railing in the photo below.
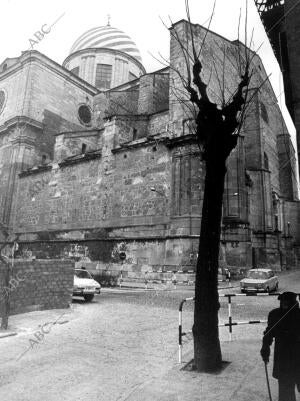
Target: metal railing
x,y
230,323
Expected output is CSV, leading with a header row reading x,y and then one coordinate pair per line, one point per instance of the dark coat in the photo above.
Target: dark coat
x,y
284,326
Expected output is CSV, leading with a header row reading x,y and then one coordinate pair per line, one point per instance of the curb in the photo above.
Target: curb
x,y
227,287
142,288
9,334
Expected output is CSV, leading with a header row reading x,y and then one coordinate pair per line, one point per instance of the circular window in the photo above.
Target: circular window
x,y
2,100
85,114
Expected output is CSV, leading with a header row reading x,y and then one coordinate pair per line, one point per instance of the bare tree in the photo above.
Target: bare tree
x,y
217,128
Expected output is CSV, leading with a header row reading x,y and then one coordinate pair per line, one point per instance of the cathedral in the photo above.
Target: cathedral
x,y
99,162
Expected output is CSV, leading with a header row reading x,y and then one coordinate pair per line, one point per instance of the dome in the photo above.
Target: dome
x,y
109,38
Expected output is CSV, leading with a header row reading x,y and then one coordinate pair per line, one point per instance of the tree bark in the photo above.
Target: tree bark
x,y
207,350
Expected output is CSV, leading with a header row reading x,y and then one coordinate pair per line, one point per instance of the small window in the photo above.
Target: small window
x,y
85,114
266,161
83,148
4,67
134,134
264,113
2,100
75,71
103,76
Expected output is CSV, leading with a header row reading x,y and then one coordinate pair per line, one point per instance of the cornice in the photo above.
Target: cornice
x,y
20,120
96,50
35,170
85,157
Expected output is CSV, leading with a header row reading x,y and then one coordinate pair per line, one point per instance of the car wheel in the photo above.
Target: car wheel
x,y
267,289
276,287
89,297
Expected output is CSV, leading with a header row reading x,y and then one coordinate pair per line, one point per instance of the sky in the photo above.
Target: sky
x,y
141,20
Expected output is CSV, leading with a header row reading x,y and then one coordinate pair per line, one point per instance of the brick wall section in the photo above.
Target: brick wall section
x,y
53,124
154,93
70,143
44,284
158,123
160,92
122,102
130,128
145,104
287,167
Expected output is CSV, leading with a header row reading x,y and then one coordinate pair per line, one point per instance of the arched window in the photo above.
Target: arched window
x,y
266,161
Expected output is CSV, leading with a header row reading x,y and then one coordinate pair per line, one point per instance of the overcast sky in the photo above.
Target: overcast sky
x,y
20,19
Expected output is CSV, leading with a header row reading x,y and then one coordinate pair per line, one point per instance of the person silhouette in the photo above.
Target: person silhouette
x,y
284,327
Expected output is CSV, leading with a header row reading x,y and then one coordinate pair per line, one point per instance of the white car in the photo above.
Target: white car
x,y
259,280
85,285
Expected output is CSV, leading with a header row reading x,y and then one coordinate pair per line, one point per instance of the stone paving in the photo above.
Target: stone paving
x,y
123,347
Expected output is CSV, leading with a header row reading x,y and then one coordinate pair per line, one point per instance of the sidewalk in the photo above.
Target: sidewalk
x,y
243,379
128,368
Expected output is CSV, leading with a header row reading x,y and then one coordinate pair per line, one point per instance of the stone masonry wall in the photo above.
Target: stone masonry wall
x,y
38,284
154,93
111,191
70,143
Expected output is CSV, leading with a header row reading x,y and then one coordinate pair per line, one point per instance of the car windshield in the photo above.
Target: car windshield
x,y
258,275
82,274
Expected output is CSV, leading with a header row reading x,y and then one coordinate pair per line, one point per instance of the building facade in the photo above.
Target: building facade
x,y
281,21
89,173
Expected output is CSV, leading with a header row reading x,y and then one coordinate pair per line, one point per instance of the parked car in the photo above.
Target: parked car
x,y
257,280
85,285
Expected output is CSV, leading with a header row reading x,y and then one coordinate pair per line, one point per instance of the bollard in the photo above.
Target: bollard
x,y
174,280
121,278
229,318
180,333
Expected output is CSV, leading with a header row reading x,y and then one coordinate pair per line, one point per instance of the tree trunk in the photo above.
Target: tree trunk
x,y
207,350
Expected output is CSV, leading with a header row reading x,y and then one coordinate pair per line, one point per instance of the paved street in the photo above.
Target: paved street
x,y
109,349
